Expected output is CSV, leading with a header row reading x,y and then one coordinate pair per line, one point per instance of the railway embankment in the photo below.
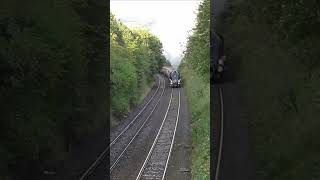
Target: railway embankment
x,y
135,57
195,76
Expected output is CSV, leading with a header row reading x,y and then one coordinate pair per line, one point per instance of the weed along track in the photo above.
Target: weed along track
x,y
124,138
156,162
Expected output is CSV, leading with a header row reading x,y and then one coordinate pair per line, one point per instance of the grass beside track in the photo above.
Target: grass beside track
x,y
114,121
146,90
198,94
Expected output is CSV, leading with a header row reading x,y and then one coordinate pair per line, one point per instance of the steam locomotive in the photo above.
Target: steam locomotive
x,y
173,76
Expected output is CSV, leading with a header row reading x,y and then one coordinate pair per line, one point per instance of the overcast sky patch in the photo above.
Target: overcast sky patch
x,y
171,21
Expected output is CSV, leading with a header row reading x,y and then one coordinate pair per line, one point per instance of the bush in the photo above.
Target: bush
x,y
48,95
136,55
195,72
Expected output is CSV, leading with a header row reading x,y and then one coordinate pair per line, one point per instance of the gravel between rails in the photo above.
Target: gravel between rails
x,y
179,166
155,164
121,134
126,140
129,165
134,157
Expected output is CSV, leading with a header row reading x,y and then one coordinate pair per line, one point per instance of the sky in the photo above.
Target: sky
x,y
171,20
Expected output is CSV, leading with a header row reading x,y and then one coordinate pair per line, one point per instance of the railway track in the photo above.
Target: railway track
x,y
156,162
217,170
115,160
120,143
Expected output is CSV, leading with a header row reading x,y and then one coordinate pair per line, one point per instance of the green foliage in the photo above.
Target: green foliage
x,y
197,53
48,97
199,103
279,71
195,71
136,55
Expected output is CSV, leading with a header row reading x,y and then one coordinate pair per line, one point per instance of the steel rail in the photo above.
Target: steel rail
x,y
134,119
157,138
132,139
102,154
221,135
172,142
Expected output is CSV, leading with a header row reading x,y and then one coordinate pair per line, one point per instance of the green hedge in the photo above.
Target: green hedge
x,y
136,55
53,80
195,73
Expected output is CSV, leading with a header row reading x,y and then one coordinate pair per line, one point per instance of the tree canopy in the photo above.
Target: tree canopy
x,y
136,55
197,53
53,74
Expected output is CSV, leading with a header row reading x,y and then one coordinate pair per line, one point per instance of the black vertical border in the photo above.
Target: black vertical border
x,y
107,43
213,133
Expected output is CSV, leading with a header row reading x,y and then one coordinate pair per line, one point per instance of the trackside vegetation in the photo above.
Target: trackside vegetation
x,y
135,57
195,72
53,76
275,45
